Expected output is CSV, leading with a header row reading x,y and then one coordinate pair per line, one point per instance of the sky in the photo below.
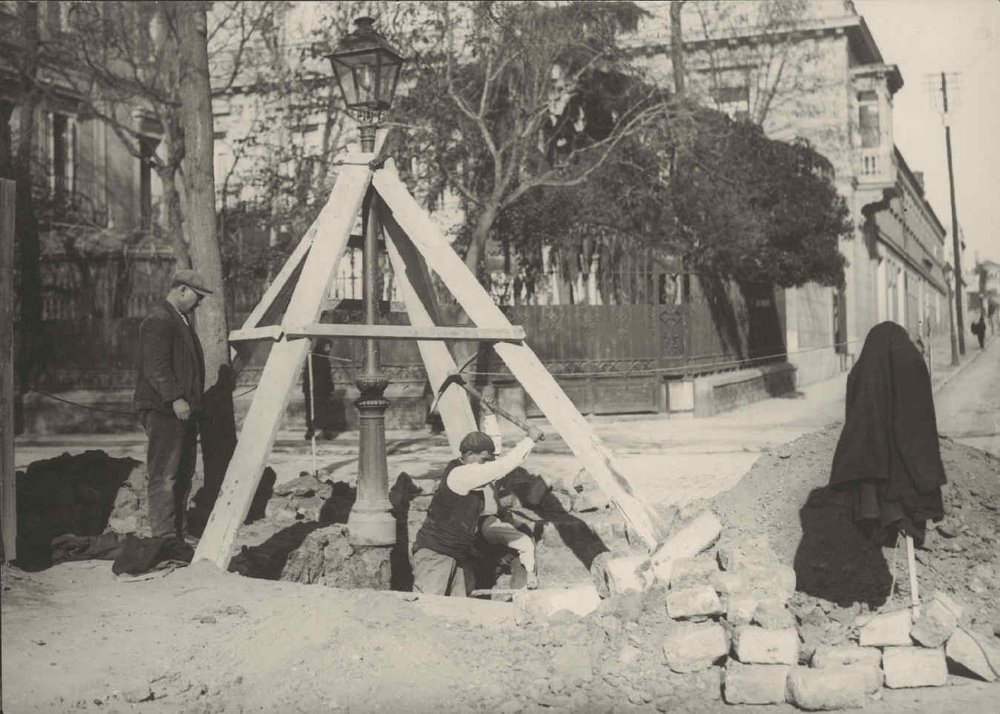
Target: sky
x,y
925,38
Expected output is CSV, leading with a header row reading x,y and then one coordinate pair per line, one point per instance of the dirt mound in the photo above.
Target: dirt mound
x,y
69,494
784,497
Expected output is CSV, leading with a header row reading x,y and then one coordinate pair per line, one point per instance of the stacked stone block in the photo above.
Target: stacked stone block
x,y
730,614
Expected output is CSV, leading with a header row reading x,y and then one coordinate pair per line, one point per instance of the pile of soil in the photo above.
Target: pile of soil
x,y
71,494
785,498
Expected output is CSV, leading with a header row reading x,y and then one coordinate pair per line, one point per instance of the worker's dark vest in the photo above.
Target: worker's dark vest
x,y
452,520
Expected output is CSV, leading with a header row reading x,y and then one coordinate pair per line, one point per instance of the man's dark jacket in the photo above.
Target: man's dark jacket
x,y
171,362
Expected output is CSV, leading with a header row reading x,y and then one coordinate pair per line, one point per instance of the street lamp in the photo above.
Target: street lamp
x,y
367,69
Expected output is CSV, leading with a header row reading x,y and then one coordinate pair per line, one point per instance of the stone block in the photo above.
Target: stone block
x,y
914,667
755,683
690,647
580,600
693,571
935,625
956,608
755,550
826,689
727,583
963,650
773,615
755,645
627,574
766,580
872,674
890,629
841,655
990,646
697,601
740,609
696,535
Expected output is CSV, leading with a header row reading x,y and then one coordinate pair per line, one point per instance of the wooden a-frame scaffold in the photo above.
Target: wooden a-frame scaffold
x,y
415,245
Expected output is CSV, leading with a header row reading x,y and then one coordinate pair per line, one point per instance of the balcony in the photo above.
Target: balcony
x,y
875,167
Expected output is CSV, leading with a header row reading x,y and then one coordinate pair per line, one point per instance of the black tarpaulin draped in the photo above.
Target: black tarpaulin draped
x,y
888,454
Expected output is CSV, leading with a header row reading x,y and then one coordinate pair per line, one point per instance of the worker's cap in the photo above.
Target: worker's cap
x,y
192,279
476,441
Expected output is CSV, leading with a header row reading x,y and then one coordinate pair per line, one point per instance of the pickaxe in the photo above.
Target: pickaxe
x,y
455,377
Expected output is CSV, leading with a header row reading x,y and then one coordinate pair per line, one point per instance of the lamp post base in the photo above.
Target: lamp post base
x,y
371,524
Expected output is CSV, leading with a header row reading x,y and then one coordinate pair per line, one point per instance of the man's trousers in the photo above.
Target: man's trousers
x,y
170,462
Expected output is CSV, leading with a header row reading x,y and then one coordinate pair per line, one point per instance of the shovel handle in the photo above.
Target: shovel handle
x,y
496,408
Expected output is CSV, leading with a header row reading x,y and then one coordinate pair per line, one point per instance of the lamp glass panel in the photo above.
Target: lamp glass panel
x,y
365,78
387,87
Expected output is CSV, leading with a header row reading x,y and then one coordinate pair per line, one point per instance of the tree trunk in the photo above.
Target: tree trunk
x,y
26,230
677,46
480,234
218,430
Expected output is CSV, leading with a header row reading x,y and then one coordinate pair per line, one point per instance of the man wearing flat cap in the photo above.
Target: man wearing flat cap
x,y
462,507
168,393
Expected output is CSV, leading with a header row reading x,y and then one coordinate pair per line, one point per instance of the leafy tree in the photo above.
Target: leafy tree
x,y
716,193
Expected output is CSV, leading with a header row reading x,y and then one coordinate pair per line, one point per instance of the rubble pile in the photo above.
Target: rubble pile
x,y
784,498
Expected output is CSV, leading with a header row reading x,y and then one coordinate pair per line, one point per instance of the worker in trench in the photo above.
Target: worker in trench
x,y
465,505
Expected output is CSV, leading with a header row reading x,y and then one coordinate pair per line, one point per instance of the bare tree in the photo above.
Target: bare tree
x,y
511,97
745,56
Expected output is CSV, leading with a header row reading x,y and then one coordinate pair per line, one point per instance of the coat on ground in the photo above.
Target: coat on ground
x,y
888,454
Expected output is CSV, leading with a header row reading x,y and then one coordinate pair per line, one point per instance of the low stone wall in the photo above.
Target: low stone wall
x,y
724,392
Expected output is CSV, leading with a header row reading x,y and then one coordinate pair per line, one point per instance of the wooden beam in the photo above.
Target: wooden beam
x,y
406,332
520,359
332,227
8,488
414,286
268,332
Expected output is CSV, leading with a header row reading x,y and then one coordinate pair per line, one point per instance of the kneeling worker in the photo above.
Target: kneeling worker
x,y
444,544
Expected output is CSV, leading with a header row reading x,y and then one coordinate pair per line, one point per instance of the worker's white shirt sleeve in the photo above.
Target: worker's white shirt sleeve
x,y
463,479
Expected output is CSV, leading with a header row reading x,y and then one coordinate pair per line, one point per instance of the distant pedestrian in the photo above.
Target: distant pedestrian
x,y
168,398
979,329
317,388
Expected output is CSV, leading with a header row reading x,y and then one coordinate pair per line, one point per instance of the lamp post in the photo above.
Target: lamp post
x,y
366,68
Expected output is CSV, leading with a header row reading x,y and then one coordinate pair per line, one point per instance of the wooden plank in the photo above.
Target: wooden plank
x,y
522,361
333,226
406,332
8,488
413,282
268,332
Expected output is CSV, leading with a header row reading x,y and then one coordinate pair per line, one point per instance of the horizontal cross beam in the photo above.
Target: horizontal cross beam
x,y
514,333
268,332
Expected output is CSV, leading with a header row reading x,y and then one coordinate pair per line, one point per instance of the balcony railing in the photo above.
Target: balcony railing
x,y
875,165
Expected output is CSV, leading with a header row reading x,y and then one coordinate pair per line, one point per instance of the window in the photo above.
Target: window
x,y
868,121
147,149
731,92
62,156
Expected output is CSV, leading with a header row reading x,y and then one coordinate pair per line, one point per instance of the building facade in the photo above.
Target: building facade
x,y
814,71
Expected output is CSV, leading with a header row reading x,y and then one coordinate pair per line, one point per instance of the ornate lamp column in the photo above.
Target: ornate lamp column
x,y
367,70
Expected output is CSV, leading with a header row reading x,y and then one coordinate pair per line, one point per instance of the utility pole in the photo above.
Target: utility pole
x,y
956,241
